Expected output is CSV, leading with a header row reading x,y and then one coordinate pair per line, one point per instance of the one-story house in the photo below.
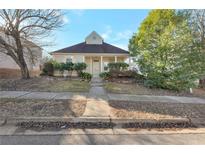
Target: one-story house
x,y
94,52
32,55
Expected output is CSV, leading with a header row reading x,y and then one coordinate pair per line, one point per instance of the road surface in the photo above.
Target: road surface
x,y
104,139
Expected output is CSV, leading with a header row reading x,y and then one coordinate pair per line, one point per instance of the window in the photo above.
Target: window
x,y
68,60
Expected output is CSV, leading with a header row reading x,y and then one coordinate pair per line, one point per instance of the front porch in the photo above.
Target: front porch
x,y
98,64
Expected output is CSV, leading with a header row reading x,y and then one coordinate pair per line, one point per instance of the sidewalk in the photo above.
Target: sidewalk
x,y
106,97
41,95
153,98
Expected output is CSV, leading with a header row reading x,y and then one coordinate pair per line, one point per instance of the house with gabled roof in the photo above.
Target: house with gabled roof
x,y
94,52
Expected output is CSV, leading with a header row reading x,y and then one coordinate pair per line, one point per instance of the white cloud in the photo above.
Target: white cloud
x,y
65,19
78,12
120,45
107,33
123,35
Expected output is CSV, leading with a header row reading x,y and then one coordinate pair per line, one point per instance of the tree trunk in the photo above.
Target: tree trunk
x,y
25,73
24,69
22,62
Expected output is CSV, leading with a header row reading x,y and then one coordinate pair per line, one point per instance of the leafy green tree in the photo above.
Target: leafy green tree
x,y
196,20
166,52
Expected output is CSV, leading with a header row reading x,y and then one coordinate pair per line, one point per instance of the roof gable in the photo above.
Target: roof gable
x,y
94,38
93,44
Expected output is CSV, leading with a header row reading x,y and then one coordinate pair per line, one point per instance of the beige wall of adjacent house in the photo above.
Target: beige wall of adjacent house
x,y
33,61
33,58
9,68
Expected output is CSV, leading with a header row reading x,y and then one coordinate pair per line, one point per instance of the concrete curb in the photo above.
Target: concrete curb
x,y
117,121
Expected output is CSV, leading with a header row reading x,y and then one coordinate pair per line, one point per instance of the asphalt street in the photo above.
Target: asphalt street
x,y
103,139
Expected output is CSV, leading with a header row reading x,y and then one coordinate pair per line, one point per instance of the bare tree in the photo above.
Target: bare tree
x,y
21,27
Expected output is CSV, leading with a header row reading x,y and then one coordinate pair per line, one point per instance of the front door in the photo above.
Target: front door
x,y
96,68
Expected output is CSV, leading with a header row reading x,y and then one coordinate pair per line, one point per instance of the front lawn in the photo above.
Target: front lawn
x,y
41,108
48,84
138,89
155,110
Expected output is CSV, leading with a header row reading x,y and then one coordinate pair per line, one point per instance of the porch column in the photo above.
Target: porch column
x,y
115,59
91,65
129,61
101,63
83,59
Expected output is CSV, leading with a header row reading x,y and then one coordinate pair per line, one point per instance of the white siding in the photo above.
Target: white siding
x,y
62,58
94,38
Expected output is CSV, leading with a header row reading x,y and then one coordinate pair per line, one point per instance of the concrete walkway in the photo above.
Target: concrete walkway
x,y
97,91
97,102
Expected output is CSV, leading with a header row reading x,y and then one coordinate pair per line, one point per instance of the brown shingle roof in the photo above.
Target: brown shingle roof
x,y
92,48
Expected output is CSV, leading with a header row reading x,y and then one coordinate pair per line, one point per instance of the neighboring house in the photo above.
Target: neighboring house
x,y
33,57
94,52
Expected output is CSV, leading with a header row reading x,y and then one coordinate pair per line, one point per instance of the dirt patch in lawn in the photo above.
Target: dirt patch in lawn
x,y
41,108
139,89
47,84
153,110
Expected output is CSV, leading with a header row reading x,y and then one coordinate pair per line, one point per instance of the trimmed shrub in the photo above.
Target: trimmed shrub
x,y
86,76
58,66
127,74
79,67
69,67
139,78
105,75
48,68
119,66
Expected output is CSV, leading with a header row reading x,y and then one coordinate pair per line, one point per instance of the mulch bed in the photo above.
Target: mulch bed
x,y
63,125
160,125
59,125
122,80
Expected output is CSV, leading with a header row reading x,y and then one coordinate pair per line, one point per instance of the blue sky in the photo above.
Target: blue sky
x,y
115,26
